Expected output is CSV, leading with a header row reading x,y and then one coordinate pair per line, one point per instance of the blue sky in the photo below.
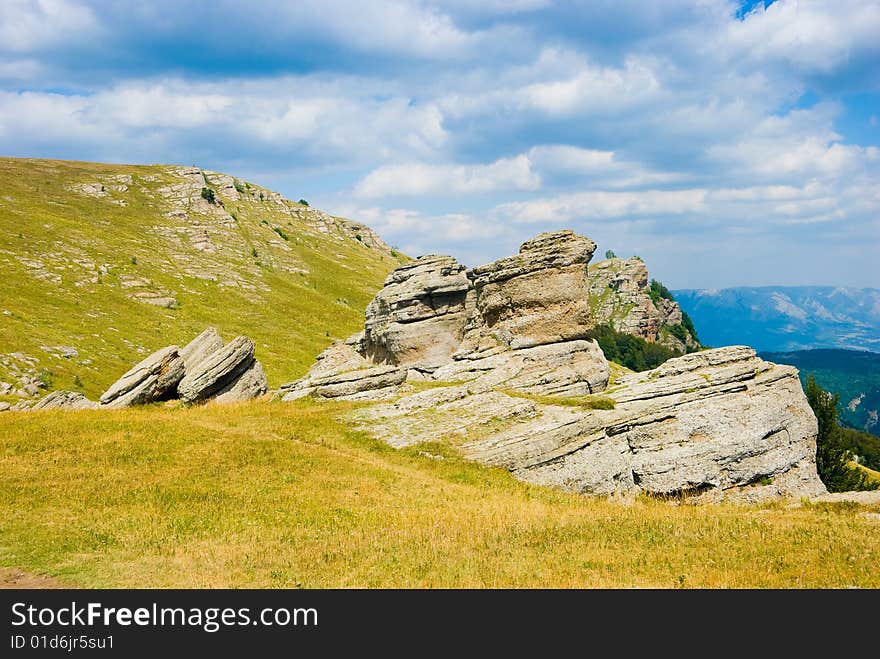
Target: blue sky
x,y
725,143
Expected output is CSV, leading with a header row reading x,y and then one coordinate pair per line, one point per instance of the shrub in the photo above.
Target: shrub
x,y
46,378
209,196
303,202
239,186
358,237
610,254
657,291
631,351
280,232
832,456
254,252
134,260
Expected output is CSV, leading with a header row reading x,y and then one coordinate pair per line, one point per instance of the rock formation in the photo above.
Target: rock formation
x,y
154,379
204,369
619,297
496,360
219,371
64,400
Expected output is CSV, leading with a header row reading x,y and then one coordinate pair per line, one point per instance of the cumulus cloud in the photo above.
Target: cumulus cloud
x,y
666,126
411,179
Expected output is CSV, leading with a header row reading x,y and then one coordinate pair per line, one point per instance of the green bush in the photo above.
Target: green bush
x,y
209,196
631,351
239,186
280,232
303,202
832,455
610,254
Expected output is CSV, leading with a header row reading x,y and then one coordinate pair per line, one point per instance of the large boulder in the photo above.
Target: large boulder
x,y
420,314
539,296
200,347
217,371
65,400
250,384
153,379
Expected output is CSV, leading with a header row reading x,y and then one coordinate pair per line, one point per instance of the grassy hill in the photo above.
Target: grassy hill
x,y
271,494
115,261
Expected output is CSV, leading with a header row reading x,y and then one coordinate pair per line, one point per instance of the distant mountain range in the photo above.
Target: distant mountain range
x,y
786,318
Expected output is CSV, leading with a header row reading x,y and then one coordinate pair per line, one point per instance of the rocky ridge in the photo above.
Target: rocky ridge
x,y
497,361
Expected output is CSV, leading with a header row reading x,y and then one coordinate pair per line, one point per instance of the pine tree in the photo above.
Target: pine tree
x,y
832,457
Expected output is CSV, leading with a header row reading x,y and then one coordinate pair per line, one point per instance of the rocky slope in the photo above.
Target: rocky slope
x,y
104,264
495,360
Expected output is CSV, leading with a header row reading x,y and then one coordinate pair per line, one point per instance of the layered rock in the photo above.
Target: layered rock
x,y
153,379
65,400
539,296
219,371
513,382
420,314
619,297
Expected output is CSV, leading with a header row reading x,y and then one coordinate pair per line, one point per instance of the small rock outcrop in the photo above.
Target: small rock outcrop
x,y
496,360
153,379
619,297
64,400
219,370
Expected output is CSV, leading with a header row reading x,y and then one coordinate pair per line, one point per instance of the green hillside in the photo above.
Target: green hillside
x,y
103,264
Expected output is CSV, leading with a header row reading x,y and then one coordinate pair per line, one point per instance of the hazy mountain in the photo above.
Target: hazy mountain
x,y
786,318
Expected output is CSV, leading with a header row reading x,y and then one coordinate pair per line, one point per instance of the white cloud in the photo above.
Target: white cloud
x,y
602,204
28,25
505,174
814,35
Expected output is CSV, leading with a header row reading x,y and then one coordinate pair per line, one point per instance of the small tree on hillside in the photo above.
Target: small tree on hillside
x,y
609,254
832,457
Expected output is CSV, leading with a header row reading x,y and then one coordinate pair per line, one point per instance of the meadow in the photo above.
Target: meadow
x,y
270,494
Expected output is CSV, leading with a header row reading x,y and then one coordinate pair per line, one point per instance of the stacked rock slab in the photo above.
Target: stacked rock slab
x,y
204,369
64,400
153,379
505,347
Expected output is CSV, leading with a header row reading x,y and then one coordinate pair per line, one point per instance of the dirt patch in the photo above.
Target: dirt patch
x,y
15,578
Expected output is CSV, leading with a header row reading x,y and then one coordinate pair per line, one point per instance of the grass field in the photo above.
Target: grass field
x,y
270,494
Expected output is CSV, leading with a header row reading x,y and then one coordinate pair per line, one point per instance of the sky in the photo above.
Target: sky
x,y
726,143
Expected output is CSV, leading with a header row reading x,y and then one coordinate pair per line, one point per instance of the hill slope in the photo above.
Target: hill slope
x,y
781,318
103,264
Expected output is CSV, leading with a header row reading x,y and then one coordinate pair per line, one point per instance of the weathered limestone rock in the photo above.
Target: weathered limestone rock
x,y
200,347
250,384
539,296
420,314
217,371
65,400
153,379
4,406
516,384
619,297
722,423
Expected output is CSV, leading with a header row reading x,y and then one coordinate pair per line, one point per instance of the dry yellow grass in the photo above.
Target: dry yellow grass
x,y
284,495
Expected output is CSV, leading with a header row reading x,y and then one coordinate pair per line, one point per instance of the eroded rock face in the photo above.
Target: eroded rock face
x,y
514,383
619,297
217,371
153,379
420,314
200,347
539,296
